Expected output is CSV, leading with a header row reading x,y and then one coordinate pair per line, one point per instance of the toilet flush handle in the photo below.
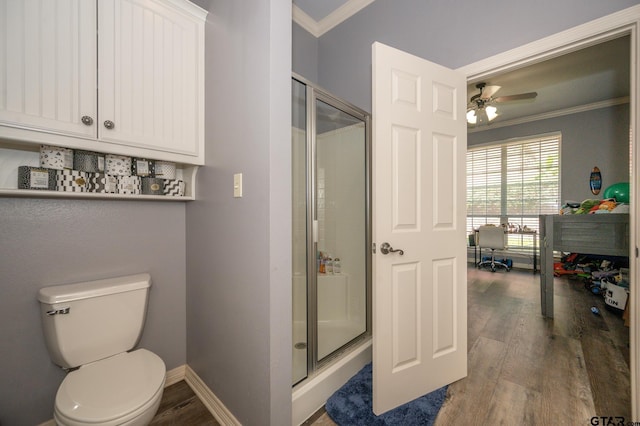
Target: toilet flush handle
x,y
61,311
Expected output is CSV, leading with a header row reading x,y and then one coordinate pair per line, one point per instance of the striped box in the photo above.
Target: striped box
x,y
129,185
102,184
174,188
71,181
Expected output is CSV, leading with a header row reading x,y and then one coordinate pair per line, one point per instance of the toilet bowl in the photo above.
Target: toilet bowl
x,y
124,389
91,329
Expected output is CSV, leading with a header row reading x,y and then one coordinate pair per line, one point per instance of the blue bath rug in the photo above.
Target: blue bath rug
x,y
351,405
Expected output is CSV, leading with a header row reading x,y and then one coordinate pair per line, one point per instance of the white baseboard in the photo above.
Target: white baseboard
x,y
213,404
175,375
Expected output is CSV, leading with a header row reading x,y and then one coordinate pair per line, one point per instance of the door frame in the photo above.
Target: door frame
x,y
626,21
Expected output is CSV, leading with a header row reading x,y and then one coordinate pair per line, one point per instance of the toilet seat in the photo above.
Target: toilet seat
x,y
114,390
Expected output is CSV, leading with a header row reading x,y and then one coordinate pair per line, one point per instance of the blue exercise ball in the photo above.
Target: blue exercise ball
x,y
619,191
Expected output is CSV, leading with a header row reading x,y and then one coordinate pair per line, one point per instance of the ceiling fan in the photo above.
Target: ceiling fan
x,y
480,108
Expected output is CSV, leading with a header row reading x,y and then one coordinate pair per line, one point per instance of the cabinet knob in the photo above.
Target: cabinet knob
x,y
109,124
87,120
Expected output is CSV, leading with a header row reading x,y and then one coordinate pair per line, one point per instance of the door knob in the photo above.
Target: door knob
x,y
386,248
86,120
109,124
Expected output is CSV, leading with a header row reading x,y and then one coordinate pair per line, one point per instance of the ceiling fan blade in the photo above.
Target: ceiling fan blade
x,y
489,91
519,97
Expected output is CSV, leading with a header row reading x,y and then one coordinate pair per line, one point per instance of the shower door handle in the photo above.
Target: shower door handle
x,y
386,248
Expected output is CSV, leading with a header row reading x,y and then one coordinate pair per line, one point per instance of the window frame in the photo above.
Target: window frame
x,y
521,243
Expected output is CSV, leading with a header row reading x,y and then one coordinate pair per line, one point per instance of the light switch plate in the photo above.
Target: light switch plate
x,y
237,185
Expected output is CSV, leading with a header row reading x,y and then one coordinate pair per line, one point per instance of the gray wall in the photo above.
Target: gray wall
x,y
238,252
594,138
50,242
445,32
239,249
304,53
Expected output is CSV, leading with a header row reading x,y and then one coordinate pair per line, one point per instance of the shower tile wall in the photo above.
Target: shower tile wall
x,y
341,207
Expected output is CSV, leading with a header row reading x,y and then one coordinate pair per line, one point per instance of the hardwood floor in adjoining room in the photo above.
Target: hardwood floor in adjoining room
x,y
526,369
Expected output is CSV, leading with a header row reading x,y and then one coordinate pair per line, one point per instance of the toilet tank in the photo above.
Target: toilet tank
x,y
89,321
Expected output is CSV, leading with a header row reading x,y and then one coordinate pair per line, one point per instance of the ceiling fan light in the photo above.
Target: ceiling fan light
x,y
492,112
471,117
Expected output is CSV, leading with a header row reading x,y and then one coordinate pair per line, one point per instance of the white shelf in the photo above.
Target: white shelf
x,y
13,156
33,193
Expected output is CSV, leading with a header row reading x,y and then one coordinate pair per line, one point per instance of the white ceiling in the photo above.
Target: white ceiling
x,y
593,77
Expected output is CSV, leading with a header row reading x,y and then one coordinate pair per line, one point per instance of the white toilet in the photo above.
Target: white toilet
x,y
92,325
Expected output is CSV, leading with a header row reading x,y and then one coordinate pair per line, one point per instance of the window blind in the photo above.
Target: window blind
x,y
513,182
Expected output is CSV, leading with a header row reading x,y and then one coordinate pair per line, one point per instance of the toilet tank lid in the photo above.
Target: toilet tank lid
x,y
85,290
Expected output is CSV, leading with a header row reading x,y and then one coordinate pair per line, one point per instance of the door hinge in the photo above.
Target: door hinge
x,y
374,248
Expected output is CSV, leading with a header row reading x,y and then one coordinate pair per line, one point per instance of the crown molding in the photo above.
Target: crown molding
x,y
341,14
551,114
306,21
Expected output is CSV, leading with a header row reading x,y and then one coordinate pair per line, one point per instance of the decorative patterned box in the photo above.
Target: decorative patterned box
x,y
86,161
165,170
152,186
54,157
71,181
143,167
117,165
174,188
129,185
36,178
101,183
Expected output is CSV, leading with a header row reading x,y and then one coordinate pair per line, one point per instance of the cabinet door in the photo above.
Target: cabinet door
x,y
150,82
47,65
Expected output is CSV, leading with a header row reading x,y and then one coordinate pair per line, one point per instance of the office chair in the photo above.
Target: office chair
x,y
494,238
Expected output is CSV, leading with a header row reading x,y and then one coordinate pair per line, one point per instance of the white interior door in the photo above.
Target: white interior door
x,y
419,294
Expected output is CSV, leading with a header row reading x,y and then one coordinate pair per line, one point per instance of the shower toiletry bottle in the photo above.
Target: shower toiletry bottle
x,y
321,266
329,265
337,266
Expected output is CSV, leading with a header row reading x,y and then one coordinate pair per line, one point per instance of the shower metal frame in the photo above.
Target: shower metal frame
x,y
313,93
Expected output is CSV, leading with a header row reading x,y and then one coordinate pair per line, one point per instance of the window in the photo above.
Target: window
x,y
513,182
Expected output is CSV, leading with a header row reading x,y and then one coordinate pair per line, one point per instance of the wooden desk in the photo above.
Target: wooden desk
x,y
602,234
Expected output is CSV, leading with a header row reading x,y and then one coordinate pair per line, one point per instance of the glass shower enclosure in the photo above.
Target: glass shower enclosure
x,y
331,227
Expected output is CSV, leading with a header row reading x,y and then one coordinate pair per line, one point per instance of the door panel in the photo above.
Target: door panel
x,y
406,195
48,65
419,289
149,77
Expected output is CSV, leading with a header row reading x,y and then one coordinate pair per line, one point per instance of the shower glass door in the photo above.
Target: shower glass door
x,y
331,227
299,230
341,217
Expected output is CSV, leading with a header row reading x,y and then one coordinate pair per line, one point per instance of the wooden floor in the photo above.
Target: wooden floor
x,y
180,407
528,370
523,369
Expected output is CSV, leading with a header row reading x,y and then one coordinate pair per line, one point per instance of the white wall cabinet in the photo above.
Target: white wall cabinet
x,y
115,76
47,65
